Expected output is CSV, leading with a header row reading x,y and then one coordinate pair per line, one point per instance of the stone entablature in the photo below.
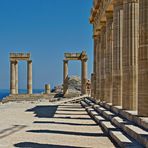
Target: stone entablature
x,y
98,13
19,56
76,56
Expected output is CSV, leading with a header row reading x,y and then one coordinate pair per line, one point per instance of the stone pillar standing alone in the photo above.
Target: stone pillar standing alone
x,y
143,60
65,77
12,77
117,52
84,77
47,89
16,77
29,77
129,54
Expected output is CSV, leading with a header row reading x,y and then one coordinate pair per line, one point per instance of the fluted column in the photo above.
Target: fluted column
x,y
12,77
65,77
117,52
97,67
109,48
92,85
103,49
84,77
94,68
29,76
143,60
129,53
16,77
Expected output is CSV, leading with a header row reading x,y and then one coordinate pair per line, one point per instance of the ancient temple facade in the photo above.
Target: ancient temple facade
x,y
120,33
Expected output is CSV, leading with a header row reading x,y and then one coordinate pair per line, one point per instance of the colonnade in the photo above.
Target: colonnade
x,y
14,77
120,74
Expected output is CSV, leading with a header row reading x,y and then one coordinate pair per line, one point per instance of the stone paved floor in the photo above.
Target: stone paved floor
x,y
43,125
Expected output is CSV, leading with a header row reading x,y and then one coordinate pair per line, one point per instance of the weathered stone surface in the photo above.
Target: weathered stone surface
x,y
97,113
143,60
117,52
130,54
120,69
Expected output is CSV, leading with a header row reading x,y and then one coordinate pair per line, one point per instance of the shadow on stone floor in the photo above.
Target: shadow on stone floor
x,y
68,133
37,145
70,106
64,123
75,118
9,131
75,110
44,111
68,113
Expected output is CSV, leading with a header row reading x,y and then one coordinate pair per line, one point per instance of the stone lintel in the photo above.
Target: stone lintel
x,y
20,56
75,56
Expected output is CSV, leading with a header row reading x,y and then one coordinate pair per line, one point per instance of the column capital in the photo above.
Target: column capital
x,y
65,61
130,1
97,35
109,15
29,61
13,61
84,60
118,2
102,25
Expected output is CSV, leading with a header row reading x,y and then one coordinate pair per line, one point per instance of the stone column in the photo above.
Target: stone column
x,y
109,48
29,76
16,77
12,77
103,49
100,66
129,53
143,60
84,77
47,89
117,52
97,67
92,85
94,68
65,77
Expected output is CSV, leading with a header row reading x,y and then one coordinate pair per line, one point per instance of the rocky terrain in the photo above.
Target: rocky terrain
x,y
74,87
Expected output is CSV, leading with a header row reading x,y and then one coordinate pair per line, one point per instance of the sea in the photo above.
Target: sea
x,y
6,92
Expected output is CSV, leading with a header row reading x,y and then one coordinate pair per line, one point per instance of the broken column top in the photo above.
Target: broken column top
x,y
76,56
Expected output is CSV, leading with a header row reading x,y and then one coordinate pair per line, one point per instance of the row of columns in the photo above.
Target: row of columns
x,y
83,76
14,77
120,69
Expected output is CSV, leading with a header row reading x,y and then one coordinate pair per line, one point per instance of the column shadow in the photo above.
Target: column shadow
x,y
64,123
44,111
68,133
9,131
38,145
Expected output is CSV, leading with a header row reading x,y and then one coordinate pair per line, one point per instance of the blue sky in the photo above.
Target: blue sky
x,y
47,29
